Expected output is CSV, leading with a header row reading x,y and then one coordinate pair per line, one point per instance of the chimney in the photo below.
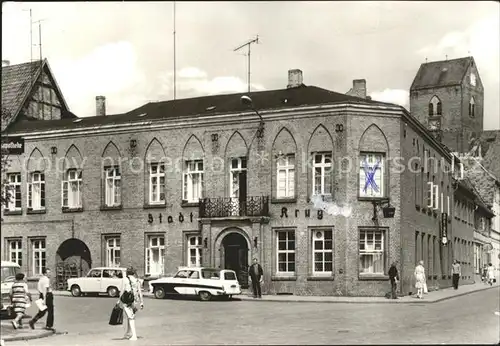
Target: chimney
x,y
358,88
100,106
294,78
5,63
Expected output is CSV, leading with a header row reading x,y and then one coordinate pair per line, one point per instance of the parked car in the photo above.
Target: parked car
x,y
99,280
202,282
7,278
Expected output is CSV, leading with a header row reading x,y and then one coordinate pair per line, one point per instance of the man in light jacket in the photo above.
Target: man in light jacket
x,y
456,272
46,295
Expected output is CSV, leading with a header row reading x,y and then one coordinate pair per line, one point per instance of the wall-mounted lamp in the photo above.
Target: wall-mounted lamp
x,y
133,143
387,209
247,101
205,243
53,150
255,241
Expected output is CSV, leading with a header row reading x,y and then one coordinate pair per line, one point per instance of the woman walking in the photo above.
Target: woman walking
x,y
19,295
490,274
130,285
420,279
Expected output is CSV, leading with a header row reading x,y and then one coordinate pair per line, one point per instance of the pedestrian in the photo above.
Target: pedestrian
x,y
45,292
420,279
256,276
491,274
133,285
394,278
485,274
19,295
456,272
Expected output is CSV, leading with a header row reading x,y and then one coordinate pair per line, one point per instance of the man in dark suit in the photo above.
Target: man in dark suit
x,y
394,277
256,276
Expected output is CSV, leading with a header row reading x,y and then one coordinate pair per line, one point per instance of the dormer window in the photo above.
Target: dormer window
x,y
435,108
472,107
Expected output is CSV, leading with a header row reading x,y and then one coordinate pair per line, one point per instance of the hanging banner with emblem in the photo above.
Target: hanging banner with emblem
x,y
12,145
444,228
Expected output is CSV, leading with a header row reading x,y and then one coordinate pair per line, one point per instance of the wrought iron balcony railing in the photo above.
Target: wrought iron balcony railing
x,y
224,207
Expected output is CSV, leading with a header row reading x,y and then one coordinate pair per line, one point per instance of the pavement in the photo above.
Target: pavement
x,y
9,334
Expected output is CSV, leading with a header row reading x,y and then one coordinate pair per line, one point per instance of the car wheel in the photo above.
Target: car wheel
x,y
113,292
76,291
159,293
205,296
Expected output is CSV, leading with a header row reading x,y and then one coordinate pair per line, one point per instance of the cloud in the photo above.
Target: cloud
x,y
397,96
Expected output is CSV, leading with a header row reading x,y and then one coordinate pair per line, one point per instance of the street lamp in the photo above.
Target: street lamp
x,y
247,101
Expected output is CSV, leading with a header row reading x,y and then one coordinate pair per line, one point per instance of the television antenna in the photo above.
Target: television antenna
x,y
249,43
175,62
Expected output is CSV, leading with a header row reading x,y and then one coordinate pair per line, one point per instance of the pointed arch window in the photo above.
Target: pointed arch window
x,y
435,107
472,107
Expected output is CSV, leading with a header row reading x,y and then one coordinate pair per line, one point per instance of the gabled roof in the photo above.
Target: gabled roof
x,y
205,106
441,73
17,84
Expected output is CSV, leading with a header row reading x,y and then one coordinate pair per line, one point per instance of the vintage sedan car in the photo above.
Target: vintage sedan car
x,y
199,281
8,277
99,280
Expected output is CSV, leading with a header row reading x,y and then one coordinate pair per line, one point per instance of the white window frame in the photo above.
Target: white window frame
x,y
194,243
285,165
430,195
436,197
113,245
13,184
112,186
155,243
38,247
287,251
16,251
325,176
36,184
379,177
156,173
448,205
72,177
237,170
319,235
193,183
371,250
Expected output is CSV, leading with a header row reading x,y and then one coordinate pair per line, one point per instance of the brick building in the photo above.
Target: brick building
x,y
202,182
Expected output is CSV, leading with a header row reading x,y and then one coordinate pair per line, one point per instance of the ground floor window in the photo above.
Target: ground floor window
x,y
372,256
322,250
38,255
155,254
113,251
15,249
194,251
285,250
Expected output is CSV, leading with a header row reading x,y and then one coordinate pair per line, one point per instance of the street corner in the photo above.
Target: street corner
x,y
9,333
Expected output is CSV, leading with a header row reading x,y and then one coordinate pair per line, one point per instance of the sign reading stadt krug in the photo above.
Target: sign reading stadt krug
x,y
13,145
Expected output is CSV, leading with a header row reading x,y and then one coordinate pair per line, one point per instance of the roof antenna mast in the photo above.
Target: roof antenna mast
x,y
249,43
175,63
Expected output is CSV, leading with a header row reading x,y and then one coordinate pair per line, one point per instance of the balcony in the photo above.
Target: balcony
x,y
227,207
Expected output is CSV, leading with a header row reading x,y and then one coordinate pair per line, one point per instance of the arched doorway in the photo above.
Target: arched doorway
x,y
73,259
234,256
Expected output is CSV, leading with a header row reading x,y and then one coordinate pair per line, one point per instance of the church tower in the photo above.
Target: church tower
x,y
448,97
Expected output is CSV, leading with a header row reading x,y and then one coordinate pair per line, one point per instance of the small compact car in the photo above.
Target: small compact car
x,y
197,281
99,280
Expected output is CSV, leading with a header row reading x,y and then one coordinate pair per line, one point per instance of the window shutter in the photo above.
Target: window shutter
x,y
42,190
18,196
64,193
185,186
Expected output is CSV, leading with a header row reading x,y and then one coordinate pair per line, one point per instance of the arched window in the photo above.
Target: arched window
x,y
435,108
472,106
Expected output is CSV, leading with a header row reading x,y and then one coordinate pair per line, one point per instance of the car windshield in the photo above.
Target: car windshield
x,y
210,273
8,274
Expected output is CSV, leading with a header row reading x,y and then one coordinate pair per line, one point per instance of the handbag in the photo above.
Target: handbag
x,y
128,296
116,317
40,304
425,288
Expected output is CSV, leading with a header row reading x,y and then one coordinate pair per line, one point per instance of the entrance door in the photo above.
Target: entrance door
x,y
235,251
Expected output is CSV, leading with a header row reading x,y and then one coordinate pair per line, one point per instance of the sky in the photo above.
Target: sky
x,y
125,50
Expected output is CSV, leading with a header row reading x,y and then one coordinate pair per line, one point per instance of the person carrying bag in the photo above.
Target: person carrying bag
x,y
129,301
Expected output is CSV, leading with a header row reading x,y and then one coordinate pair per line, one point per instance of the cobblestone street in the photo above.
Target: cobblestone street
x,y
466,319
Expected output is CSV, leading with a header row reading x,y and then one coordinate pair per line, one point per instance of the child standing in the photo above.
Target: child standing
x,y
19,295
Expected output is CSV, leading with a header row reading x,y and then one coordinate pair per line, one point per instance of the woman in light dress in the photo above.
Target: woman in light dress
x,y
420,281
490,274
131,284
